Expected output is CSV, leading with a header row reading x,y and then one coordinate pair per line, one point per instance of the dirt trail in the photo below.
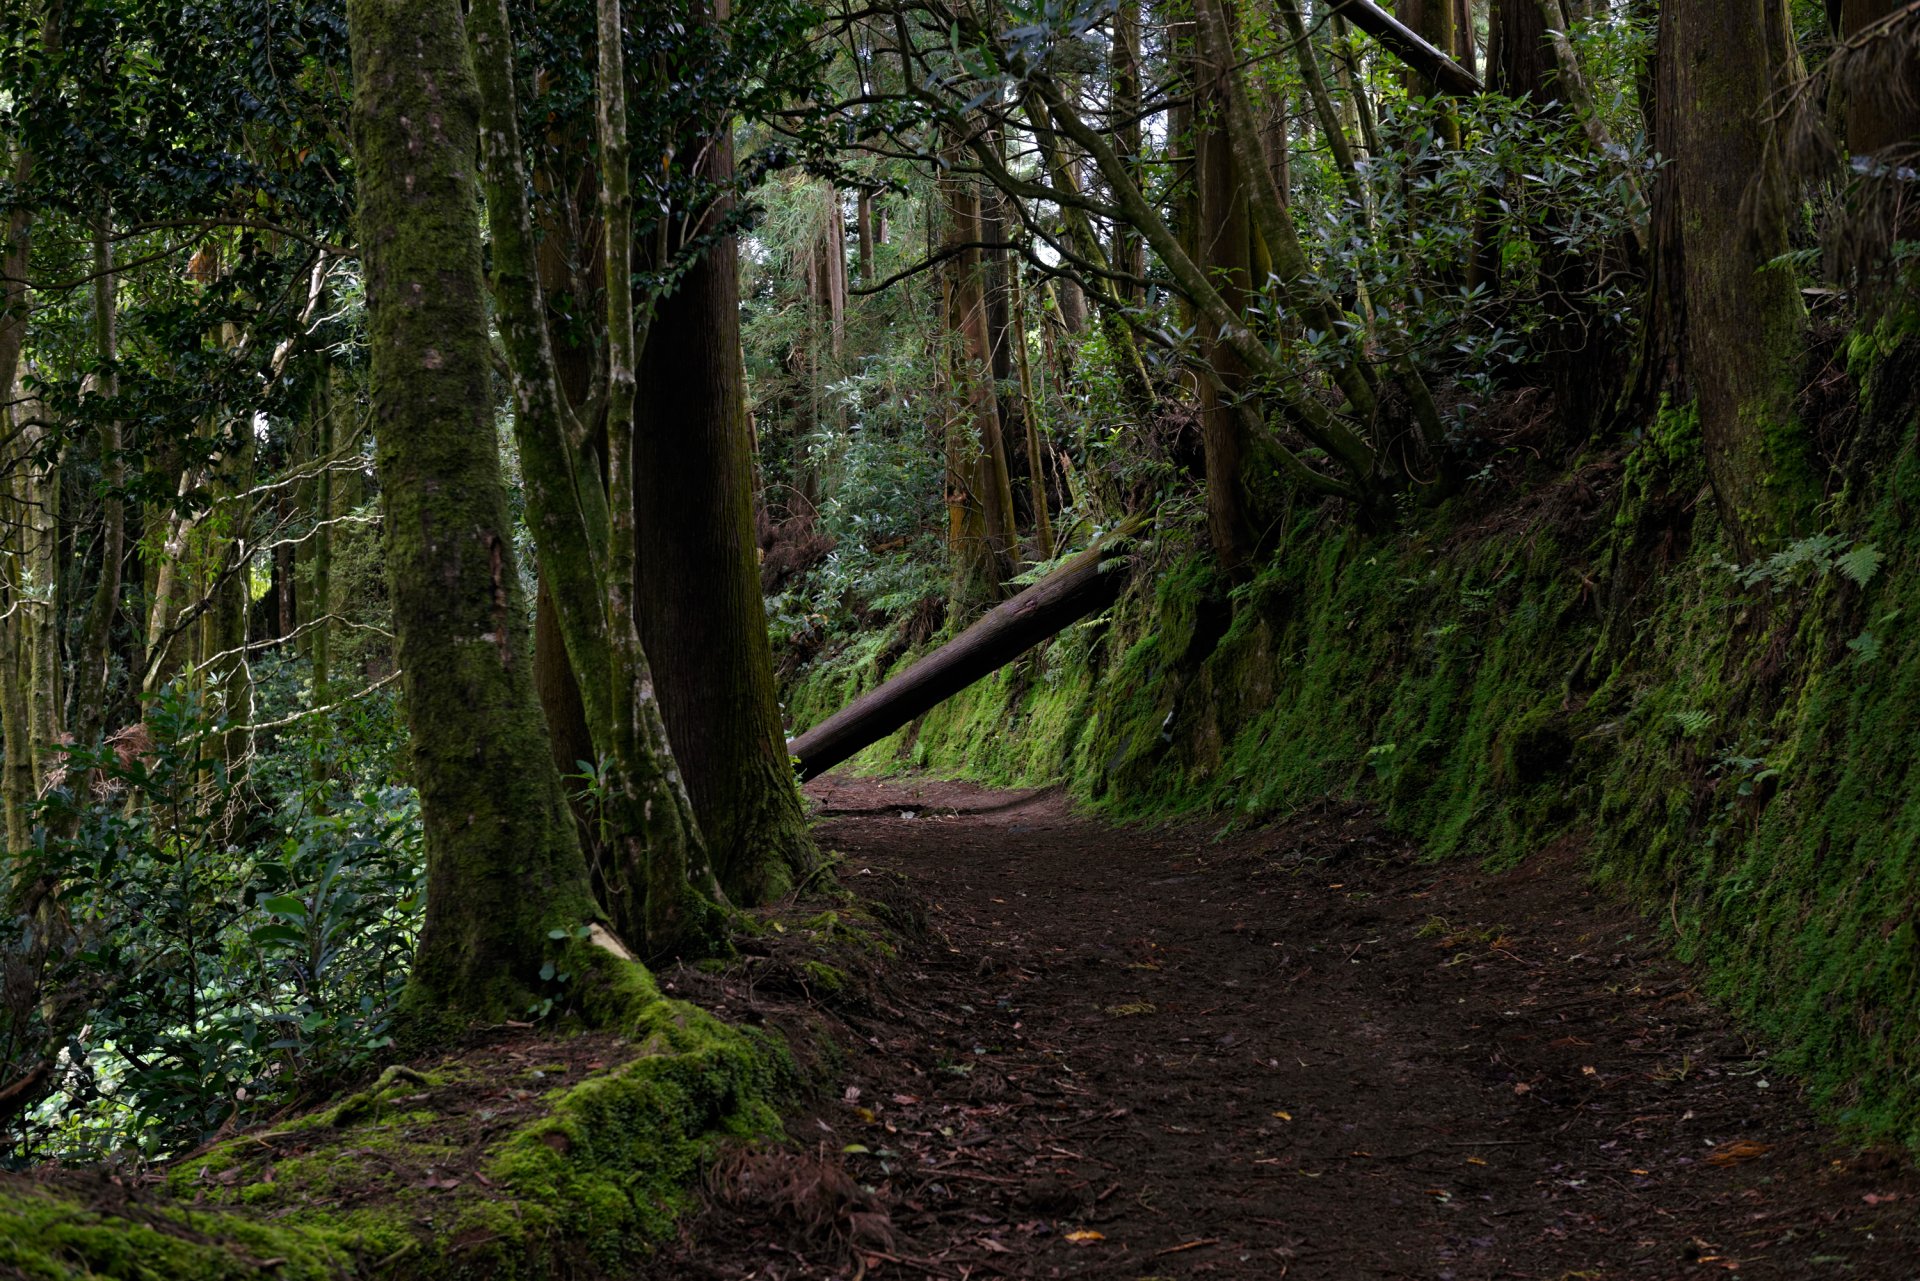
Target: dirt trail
x,y
1298,1052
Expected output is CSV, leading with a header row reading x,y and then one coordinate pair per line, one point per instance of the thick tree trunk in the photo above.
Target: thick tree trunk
x,y
1745,321
503,867
979,488
653,874
1084,585
702,618
662,866
1223,238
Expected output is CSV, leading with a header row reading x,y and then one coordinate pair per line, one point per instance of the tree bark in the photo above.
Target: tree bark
x,y
979,488
1745,321
1223,238
503,866
661,863
702,617
87,705
1084,585
653,874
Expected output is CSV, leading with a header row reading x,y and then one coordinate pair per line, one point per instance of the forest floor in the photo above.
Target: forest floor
x,y
1297,1051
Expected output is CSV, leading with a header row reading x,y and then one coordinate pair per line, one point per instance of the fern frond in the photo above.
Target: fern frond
x,y
1860,564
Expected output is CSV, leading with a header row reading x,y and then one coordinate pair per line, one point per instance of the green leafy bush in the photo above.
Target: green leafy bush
x,y
192,941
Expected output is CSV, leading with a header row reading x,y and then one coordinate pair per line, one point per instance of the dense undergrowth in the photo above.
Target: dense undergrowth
x,y
1578,659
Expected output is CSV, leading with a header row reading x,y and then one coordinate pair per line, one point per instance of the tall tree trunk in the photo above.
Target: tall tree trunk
x,y
702,617
654,876
1030,414
503,866
980,492
1129,250
1745,322
1223,235
665,848
40,532
87,717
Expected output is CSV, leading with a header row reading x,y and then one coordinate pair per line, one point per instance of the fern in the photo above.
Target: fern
x,y
1860,564
1693,722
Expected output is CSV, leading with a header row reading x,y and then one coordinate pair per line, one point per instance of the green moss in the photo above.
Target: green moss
x,y
47,1237
824,977
587,1183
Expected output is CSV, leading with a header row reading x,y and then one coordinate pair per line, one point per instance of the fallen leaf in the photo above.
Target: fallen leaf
x,y
1474,1160
1737,1151
1086,1236
1284,1116
1522,1088
1587,1071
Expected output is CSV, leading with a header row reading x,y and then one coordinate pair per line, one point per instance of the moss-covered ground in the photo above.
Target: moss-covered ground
x,y
523,1154
1577,659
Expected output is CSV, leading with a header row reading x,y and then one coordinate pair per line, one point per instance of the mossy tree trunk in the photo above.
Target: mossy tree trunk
x,y
652,871
701,616
503,865
658,848
1744,318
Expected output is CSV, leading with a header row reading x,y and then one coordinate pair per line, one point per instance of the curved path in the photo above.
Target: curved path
x,y
1295,1052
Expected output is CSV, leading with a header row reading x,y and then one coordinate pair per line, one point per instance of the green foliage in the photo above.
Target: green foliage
x,y
1811,559
232,942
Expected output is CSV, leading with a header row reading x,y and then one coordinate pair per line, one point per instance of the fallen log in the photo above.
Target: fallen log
x,y
1407,45
1083,586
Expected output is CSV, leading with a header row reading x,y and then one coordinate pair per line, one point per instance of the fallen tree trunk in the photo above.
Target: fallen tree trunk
x,y
1407,45
1084,585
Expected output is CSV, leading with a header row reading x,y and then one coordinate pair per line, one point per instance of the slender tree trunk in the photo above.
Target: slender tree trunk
x,y
863,216
39,617
86,711
326,438
503,867
1745,322
1129,250
702,617
1030,414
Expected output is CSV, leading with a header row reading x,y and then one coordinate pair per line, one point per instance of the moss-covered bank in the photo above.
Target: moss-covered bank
x,y
528,1158
1581,661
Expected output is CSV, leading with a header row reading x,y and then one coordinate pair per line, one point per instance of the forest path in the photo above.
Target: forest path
x,y
1297,1052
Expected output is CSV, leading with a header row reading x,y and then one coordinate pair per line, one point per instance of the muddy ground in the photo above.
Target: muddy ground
x,y
1298,1052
